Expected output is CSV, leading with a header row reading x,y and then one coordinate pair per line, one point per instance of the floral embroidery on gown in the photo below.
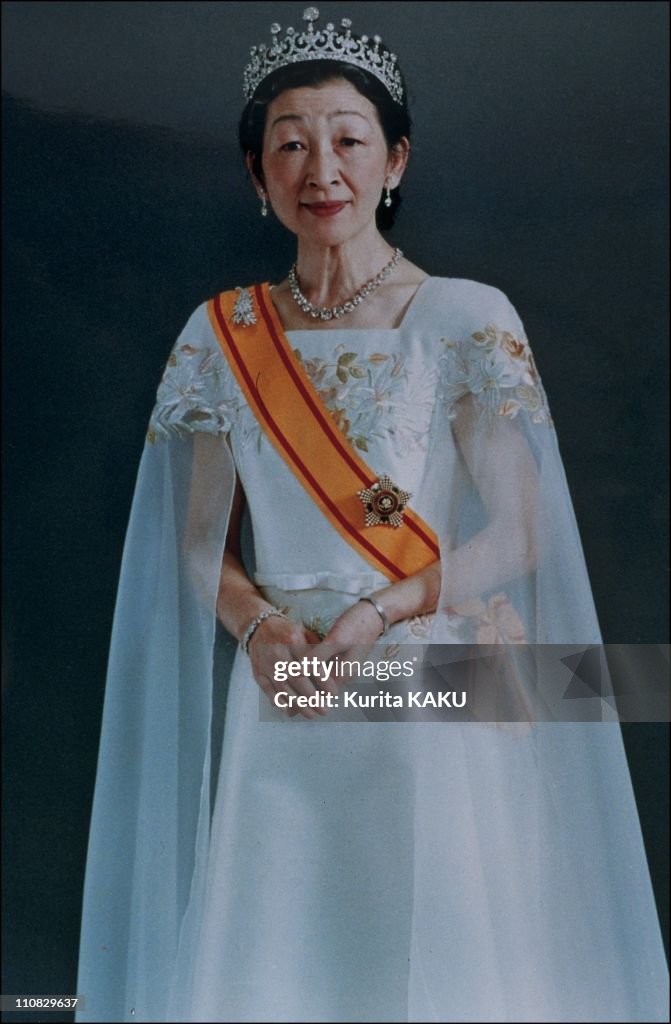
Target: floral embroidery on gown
x,y
374,398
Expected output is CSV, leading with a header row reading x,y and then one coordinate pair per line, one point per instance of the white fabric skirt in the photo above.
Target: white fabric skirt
x,y
390,871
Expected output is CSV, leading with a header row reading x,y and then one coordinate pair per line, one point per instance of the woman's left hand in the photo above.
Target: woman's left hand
x,y
351,636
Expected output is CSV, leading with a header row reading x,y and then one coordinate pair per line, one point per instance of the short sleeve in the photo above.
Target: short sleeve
x,y
491,359
196,391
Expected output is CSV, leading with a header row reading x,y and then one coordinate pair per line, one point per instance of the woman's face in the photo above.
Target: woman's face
x,y
325,161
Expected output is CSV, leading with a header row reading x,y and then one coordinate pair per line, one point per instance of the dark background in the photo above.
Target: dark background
x,y
539,166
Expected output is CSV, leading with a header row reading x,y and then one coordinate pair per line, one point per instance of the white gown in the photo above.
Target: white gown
x,y
389,871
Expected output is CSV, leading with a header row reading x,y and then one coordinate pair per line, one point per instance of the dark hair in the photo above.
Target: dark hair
x,y
394,117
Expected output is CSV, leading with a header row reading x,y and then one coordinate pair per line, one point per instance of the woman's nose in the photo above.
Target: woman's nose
x,y
321,170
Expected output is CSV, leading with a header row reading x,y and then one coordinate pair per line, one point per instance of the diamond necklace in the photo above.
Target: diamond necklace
x,y
335,312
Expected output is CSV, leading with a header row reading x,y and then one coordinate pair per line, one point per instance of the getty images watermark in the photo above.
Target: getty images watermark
x,y
325,675
474,683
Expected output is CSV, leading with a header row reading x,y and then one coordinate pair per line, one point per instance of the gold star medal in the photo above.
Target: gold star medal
x,y
384,502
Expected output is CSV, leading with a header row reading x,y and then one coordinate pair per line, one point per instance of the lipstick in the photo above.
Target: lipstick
x,y
324,209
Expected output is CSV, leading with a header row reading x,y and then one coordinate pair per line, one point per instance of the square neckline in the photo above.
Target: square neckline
x,y
360,330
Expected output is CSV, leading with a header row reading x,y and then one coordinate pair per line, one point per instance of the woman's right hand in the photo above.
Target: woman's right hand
x,y
278,639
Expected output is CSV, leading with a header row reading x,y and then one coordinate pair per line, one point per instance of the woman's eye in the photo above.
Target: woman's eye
x,y
289,146
351,142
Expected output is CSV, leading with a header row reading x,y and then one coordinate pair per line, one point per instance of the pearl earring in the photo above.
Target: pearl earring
x,y
387,201
264,205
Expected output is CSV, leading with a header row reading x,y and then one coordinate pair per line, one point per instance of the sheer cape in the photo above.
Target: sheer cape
x,y
513,572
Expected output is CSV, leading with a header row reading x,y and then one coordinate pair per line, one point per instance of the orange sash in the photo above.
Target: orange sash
x,y
305,435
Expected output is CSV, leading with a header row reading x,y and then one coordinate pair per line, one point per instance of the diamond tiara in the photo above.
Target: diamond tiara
x,y
328,43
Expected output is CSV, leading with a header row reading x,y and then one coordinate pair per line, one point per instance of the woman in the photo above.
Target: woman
x,y
387,433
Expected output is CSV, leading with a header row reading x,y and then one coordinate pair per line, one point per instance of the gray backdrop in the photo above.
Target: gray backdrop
x,y
538,166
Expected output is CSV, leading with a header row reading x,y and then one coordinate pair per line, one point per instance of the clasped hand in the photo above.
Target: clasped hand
x,y
277,639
